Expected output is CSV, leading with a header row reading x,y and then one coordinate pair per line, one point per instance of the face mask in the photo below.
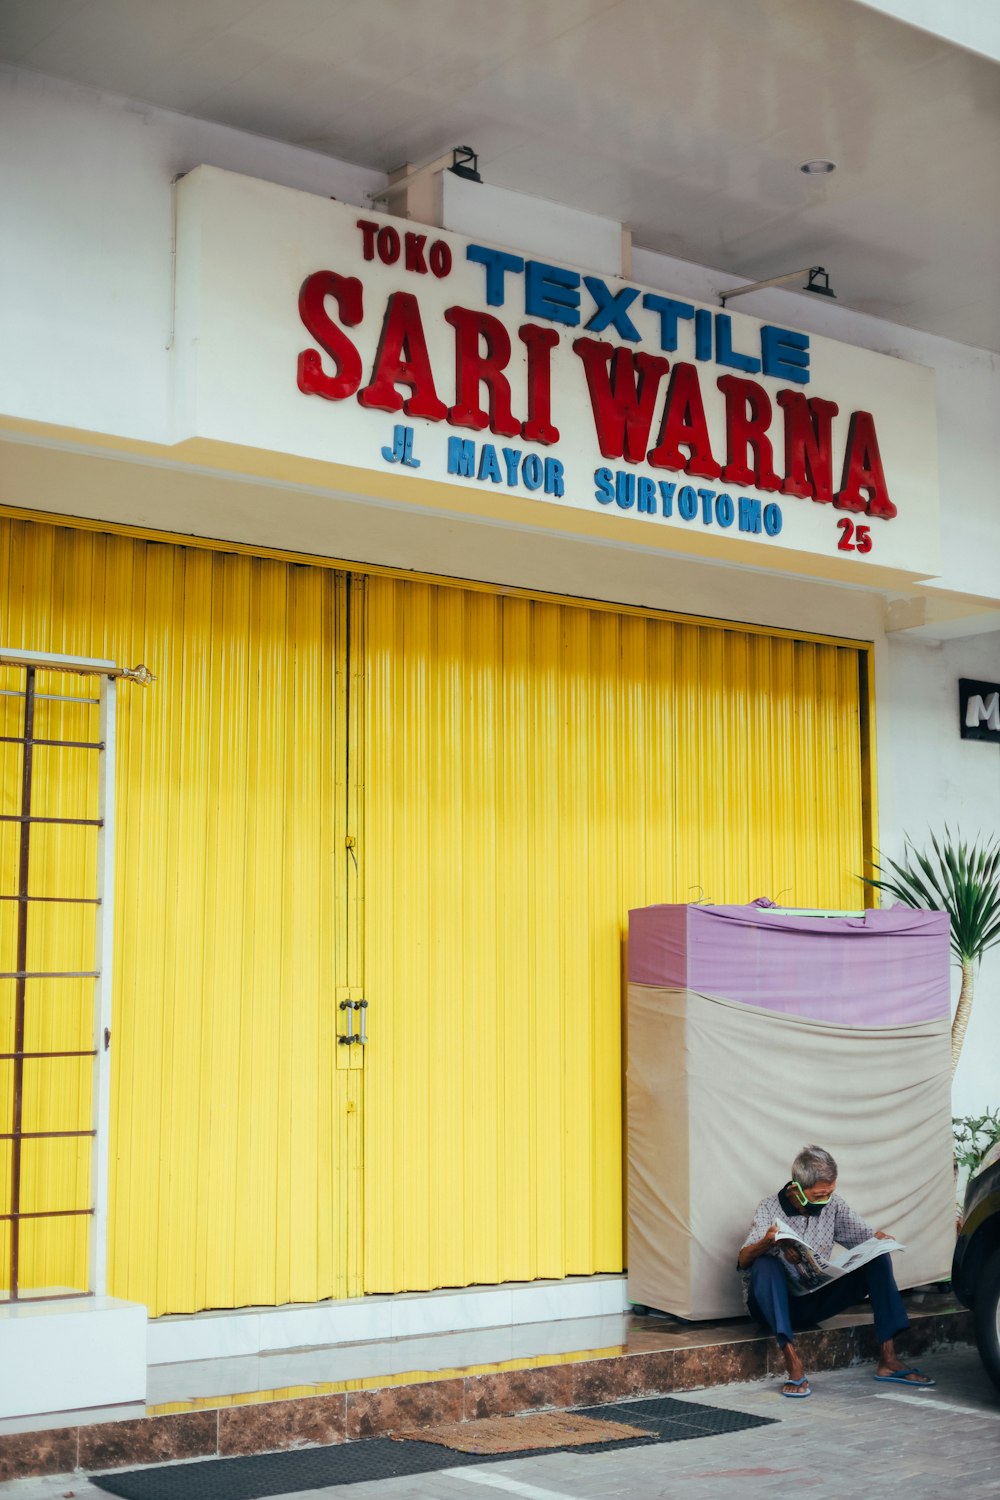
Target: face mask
x,y
805,1202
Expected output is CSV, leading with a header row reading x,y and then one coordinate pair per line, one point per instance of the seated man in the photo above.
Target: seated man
x,y
809,1205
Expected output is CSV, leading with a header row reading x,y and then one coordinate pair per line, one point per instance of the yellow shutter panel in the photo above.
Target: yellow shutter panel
x,y
533,771
231,1171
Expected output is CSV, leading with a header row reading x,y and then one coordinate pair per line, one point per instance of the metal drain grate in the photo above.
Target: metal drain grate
x,y
667,1419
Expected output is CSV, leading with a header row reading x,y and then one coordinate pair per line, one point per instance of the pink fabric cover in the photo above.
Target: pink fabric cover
x,y
887,968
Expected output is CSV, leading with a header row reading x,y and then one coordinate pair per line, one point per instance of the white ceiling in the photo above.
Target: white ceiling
x,y
686,119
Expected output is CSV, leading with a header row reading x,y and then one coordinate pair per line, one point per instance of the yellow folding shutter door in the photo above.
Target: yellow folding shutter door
x,y
499,779
533,771
232,1167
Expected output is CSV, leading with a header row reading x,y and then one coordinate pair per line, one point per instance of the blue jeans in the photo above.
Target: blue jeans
x,y
770,1302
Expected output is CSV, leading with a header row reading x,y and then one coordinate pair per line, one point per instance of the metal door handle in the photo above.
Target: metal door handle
x,y
347,1039
363,1033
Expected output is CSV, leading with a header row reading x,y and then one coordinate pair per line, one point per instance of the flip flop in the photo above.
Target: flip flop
x,y
798,1395
899,1377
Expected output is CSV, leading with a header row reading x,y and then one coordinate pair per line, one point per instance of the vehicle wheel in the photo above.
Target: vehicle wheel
x,y
986,1315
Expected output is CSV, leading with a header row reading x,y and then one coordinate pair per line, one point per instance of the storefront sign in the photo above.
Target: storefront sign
x,y
979,710
314,329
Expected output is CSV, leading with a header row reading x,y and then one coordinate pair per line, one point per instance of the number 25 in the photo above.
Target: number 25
x,y
862,537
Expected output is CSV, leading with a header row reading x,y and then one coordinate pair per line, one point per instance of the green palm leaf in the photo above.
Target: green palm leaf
x,y
960,878
957,877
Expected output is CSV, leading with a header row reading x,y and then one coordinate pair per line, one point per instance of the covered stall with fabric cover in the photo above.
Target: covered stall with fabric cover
x,y
753,1032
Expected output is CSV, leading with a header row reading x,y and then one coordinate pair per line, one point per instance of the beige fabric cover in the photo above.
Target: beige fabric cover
x,y
721,1097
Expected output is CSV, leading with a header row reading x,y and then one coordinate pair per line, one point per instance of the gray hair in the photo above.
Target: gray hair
x,y
813,1165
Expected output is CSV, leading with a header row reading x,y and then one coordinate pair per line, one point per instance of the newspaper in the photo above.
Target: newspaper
x,y
814,1272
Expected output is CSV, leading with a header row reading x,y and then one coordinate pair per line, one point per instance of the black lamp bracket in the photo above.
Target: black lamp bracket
x,y
465,163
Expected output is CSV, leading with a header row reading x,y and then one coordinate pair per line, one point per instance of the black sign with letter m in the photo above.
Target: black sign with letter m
x,y
979,710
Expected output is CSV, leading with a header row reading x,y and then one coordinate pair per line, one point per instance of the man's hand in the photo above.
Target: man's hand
x,y
750,1253
883,1234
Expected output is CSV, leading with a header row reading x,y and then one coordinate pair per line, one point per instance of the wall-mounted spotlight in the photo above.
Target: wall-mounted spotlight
x,y
465,163
461,160
818,282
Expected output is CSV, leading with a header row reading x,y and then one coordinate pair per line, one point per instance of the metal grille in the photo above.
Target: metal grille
x,y
48,952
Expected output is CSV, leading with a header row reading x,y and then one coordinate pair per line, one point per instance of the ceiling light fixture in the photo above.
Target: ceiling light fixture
x,y
819,167
819,282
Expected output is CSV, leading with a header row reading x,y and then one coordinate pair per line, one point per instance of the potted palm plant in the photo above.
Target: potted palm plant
x,y
963,880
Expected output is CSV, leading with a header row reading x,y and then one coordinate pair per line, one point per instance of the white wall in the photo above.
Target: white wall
x,y
930,776
85,258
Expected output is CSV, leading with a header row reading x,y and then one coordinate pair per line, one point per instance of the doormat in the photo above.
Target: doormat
x,y
663,1419
550,1429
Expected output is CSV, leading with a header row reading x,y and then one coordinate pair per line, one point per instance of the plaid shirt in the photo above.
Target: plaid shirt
x,y
835,1224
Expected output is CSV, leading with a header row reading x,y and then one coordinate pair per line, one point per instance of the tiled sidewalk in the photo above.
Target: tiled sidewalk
x,y
850,1438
